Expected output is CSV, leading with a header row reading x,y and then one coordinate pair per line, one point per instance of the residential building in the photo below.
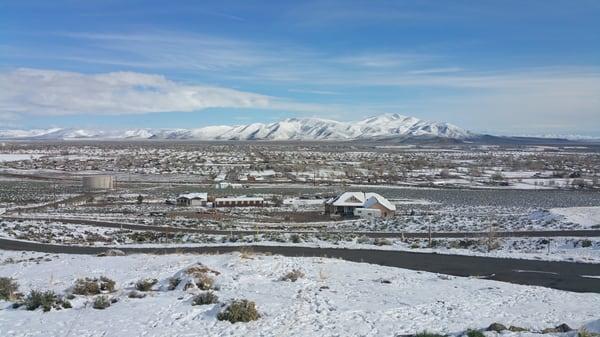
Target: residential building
x,y
192,199
346,204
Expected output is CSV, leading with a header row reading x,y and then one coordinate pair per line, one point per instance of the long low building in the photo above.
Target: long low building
x,y
238,202
360,204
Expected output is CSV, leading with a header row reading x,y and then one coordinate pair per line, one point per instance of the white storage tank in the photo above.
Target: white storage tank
x,y
98,183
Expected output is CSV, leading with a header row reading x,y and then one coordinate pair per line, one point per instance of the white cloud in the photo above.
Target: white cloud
x,y
48,92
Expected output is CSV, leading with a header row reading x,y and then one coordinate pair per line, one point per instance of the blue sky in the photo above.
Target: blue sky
x,y
509,67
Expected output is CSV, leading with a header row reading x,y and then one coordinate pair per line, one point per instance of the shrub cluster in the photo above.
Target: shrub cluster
x,y
46,300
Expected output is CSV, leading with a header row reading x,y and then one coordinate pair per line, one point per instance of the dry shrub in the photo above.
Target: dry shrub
x,y
8,289
201,277
173,283
201,269
208,297
474,333
145,284
93,286
239,311
292,276
204,281
101,302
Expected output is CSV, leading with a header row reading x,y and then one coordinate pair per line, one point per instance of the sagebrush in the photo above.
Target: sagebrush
x,y
239,311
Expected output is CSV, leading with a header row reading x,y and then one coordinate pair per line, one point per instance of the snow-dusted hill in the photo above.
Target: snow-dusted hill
x,y
378,127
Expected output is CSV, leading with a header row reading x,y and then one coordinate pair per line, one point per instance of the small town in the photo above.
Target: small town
x,y
314,168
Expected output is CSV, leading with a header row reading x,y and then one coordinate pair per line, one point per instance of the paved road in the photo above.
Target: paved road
x,y
166,229
558,275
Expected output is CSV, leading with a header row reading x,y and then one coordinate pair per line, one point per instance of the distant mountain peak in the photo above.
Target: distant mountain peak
x,y
385,126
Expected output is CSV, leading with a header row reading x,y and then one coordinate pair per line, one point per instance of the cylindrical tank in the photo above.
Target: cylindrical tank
x,y
98,183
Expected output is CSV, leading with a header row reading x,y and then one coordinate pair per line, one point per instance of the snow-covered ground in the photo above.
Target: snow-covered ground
x,y
584,216
6,157
334,298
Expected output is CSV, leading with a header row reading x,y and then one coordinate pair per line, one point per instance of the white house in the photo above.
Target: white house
x,y
192,199
351,203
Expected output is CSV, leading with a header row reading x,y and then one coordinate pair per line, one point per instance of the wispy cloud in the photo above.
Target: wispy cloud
x,y
167,50
45,92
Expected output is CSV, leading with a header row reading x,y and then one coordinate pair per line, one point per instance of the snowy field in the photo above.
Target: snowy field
x,y
333,298
8,157
584,216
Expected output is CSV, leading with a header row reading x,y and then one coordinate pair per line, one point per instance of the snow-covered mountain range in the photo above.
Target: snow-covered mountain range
x,y
386,126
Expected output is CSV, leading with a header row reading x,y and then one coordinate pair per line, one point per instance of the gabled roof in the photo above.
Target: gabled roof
x,y
373,198
356,199
203,196
360,199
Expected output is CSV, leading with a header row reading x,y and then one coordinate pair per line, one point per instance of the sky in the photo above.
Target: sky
x,y
503,67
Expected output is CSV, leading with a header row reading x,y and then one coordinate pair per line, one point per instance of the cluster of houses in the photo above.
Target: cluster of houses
x,y
347,204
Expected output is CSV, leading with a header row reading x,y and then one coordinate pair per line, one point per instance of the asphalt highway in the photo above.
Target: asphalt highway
x,y
577,277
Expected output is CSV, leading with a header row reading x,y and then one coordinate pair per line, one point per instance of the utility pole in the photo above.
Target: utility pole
x,y
430,236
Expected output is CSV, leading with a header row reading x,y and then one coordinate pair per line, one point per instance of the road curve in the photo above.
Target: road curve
x,y
559,275
460,235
